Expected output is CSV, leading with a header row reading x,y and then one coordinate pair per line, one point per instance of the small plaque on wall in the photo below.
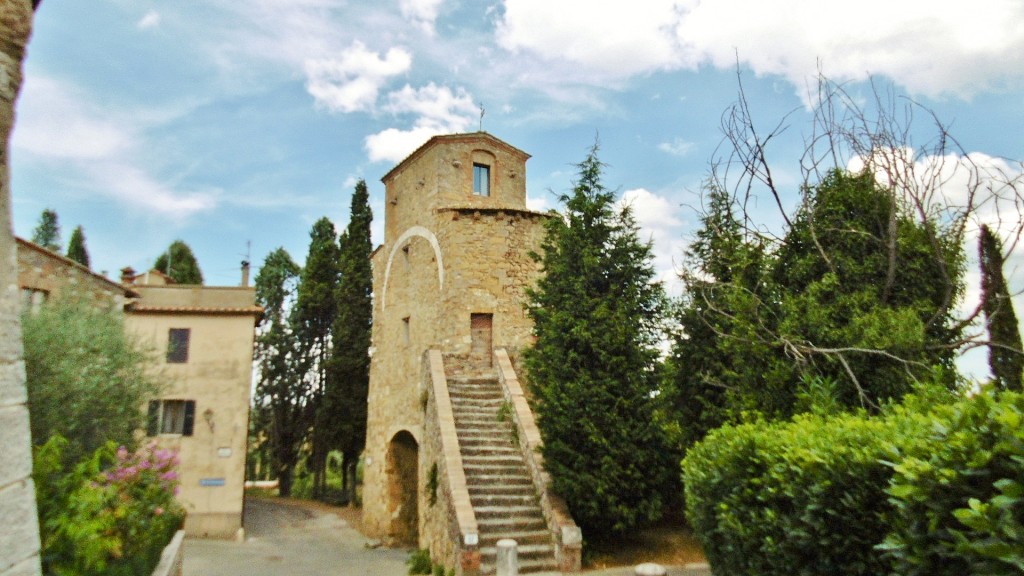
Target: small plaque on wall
x,y
211,482
223,452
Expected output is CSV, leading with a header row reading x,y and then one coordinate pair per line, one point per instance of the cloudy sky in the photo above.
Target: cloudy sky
x,y
235,125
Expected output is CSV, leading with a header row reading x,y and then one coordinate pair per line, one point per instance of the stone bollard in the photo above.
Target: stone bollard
x,y
649,569
507,561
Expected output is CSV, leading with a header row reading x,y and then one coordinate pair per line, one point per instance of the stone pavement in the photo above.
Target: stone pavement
x,y
287,539
290,540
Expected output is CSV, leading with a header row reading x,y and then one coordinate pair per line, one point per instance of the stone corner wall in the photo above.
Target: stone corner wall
x,y
567,535
448,525
172,559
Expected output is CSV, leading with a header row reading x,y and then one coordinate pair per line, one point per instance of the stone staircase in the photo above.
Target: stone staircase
x,y
500,487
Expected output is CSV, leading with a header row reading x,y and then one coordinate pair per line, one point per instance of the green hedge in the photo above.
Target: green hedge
x,y
819,495
959,497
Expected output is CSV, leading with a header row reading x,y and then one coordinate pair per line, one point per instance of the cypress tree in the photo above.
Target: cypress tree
x,y
47,232
315,309
76,247
350,361
592,369
281,391
1005,356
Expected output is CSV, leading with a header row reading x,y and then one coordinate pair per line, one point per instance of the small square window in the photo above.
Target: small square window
x,y
171,417
481,180
177,345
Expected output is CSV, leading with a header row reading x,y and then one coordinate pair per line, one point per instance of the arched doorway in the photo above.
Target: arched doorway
x,y
402,468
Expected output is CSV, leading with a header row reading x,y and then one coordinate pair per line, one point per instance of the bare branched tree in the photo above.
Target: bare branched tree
x,y
933,196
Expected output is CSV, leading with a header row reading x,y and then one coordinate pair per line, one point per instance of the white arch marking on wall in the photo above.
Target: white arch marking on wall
x,y
422,233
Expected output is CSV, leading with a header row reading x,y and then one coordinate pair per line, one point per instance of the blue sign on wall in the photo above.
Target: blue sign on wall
x,y
211,482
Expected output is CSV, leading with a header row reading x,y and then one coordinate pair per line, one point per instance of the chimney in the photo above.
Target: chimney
x,y
127,275
245,273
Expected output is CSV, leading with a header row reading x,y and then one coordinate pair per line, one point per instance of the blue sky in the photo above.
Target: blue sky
x,y
225,123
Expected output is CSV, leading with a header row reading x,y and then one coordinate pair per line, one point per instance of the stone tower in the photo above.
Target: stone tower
x,y
450,277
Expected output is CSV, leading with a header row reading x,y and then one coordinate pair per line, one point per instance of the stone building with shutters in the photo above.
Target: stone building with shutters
x,y
203,336
450,277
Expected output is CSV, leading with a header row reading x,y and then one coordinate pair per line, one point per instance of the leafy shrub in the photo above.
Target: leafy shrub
x,y
805,497
112,513
927,488
87,380
959,498
419,562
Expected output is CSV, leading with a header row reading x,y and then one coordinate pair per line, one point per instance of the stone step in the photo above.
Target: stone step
x,y
522,537
496,489
522,523
488,480
506,471
525,567
499,442
506,459
531,512
534,554
504,499
482,379
493,404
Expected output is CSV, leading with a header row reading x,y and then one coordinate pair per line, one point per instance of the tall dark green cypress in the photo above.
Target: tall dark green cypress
x,y
1005,356
315,309
76,247
47,232
350,361
281,390
596,313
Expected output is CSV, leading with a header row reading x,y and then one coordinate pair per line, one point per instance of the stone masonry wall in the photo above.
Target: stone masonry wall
x,y
447,254
19,532
42,270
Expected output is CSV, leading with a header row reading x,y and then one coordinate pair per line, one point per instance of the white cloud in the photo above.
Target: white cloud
x,y
133,185
422,12
351,82
435,105
438,110
660,222
934,48
57,123
609,39
537,204
54,120
677,147
150,20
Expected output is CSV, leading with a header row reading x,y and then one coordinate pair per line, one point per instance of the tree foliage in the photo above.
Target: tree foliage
x,y
857,298
179,263
76,247
47,232
345,403
280,391
592,368
87,379
315,309
1006,355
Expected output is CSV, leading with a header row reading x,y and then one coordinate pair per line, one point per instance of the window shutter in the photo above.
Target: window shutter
x,y
153,418
190,418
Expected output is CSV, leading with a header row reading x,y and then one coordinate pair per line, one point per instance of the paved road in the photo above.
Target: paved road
x,y
292,540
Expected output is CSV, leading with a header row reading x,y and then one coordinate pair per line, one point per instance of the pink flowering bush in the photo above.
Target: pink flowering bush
x,y
112,513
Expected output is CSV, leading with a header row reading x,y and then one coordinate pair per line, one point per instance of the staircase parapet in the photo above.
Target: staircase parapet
x,y
461,538
568,536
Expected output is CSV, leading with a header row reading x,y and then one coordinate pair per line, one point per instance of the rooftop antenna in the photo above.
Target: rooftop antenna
x,y
481,117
